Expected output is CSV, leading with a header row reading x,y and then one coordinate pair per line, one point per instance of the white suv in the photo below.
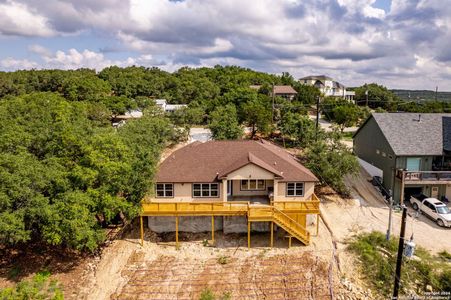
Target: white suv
x,y
434,209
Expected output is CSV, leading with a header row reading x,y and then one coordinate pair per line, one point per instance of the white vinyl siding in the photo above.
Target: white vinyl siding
x,y
205,190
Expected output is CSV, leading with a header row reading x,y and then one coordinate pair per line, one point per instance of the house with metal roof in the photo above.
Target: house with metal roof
x,y
163,104
235,183
328,86
412,150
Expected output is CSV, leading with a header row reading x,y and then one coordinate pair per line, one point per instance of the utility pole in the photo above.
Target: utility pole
x,y
400,253
317,117
390,199
436,92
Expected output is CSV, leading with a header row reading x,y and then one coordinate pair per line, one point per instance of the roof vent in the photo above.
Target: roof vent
x,y
275,163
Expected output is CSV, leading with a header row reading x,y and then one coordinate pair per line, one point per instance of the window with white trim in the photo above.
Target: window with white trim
x,y
205,190
295,189
165,190
252,184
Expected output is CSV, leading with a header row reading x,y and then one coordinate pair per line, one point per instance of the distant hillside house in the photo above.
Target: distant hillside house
x,y
169,107
328,86
120,120
284,91
412,150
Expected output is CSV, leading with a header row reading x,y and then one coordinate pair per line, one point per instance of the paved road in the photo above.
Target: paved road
x,y
199,134
327,126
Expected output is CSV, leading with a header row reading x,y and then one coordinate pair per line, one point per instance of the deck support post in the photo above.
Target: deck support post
x,y
248,234
177,232
142,230
272,234
213,229
317,224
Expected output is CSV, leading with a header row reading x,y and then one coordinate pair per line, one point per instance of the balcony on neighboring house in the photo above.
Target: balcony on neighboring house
x,y
425,177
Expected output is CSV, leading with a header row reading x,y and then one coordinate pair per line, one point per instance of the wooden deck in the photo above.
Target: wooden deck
x,y
275,212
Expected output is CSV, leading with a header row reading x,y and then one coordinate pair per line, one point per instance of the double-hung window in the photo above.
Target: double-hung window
x,y
252,184
295,189
205,190
165,190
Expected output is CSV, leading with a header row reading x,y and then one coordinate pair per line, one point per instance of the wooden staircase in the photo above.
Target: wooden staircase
x,y
267,213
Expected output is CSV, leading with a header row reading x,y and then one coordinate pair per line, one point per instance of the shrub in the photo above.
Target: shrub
x,y
207,294
223,260
379,255
39,287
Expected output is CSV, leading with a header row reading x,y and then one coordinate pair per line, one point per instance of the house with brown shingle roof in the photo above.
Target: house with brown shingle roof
x,y
241,169
236,182
284,91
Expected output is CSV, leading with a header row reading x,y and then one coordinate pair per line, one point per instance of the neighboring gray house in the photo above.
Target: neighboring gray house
x,y
412,150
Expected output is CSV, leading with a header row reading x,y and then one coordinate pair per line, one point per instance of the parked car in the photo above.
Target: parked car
x,y
432,208
377,182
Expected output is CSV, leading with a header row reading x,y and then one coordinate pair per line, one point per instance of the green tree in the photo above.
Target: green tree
x,y
118,105
346,116
187,116
224,124
257,115
64,175
330,160
378,96
297,128
307,94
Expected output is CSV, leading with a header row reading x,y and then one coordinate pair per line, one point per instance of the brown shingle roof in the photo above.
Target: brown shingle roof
x,y
284,89
278,89
208,162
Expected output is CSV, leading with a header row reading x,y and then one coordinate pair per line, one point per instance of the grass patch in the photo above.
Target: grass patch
x,y
445,255
347,136
39,287
207,294
14,272
223,260
377,258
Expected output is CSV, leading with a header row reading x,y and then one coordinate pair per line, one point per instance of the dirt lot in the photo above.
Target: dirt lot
x,y
160,271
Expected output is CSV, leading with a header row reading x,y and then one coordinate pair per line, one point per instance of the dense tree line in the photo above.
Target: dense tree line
x,y
65,172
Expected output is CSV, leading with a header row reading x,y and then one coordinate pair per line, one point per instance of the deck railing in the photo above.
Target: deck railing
x,y
151,208
427,176
195,208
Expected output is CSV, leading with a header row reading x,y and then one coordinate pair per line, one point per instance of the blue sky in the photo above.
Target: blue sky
x,y
398,43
